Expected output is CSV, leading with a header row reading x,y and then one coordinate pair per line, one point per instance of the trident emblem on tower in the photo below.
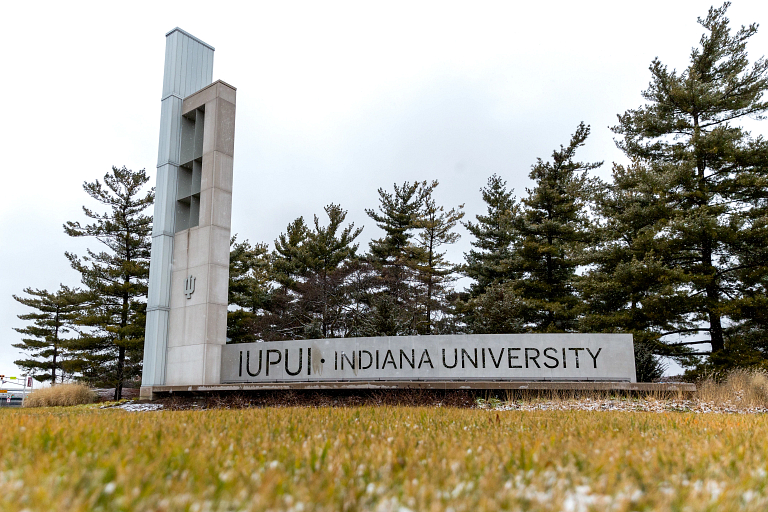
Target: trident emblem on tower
x,y
189,286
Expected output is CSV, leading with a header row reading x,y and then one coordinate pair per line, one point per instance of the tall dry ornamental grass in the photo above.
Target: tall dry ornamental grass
x,y
60,395
743,387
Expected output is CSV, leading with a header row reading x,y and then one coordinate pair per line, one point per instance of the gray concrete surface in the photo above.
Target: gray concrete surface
x,y
198,318
188,68
565,357
153,392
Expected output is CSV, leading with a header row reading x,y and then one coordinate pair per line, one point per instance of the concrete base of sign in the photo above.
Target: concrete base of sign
x,y
153,392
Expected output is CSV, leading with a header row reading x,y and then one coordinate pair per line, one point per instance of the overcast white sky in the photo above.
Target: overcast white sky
x,y
334,100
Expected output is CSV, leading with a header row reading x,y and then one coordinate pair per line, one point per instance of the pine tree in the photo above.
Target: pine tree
x,y
631,287
748,337
325,259
435,228
495,311
716,170
362,287
393,307
287,256
494,238
110,352
45,343
554,228
250,290
313,265
249,274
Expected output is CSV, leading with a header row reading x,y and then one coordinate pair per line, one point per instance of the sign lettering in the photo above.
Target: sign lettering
x,y
470,357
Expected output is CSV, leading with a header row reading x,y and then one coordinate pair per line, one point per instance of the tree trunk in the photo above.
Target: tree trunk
x,y
716,332
121,348
430,286
550,278
120,367
55,348
713,299
711,289
325,303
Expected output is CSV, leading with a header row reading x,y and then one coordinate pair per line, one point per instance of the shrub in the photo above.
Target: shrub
x,y
60,395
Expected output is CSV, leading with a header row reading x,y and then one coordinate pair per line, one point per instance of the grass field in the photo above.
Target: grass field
x,y
384,458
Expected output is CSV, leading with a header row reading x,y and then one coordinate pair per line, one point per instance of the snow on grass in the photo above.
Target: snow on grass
x,y
132,407
642,404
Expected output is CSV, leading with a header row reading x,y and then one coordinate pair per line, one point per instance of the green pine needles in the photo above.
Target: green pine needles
x,y
109,350
711,182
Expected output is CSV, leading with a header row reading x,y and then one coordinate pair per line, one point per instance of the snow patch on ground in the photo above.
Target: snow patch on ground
x,y
641,405
131,407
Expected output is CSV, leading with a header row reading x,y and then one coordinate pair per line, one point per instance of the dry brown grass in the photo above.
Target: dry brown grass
x,y
383,458
60,395
745,387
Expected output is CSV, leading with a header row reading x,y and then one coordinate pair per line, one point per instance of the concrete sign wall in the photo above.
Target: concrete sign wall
x,y
471,357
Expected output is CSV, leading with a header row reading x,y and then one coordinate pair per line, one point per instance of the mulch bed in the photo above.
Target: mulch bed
x,y
108,394
247,399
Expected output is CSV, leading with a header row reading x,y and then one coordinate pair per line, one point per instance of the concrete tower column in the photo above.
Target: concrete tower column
x,y
200,277
188,68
